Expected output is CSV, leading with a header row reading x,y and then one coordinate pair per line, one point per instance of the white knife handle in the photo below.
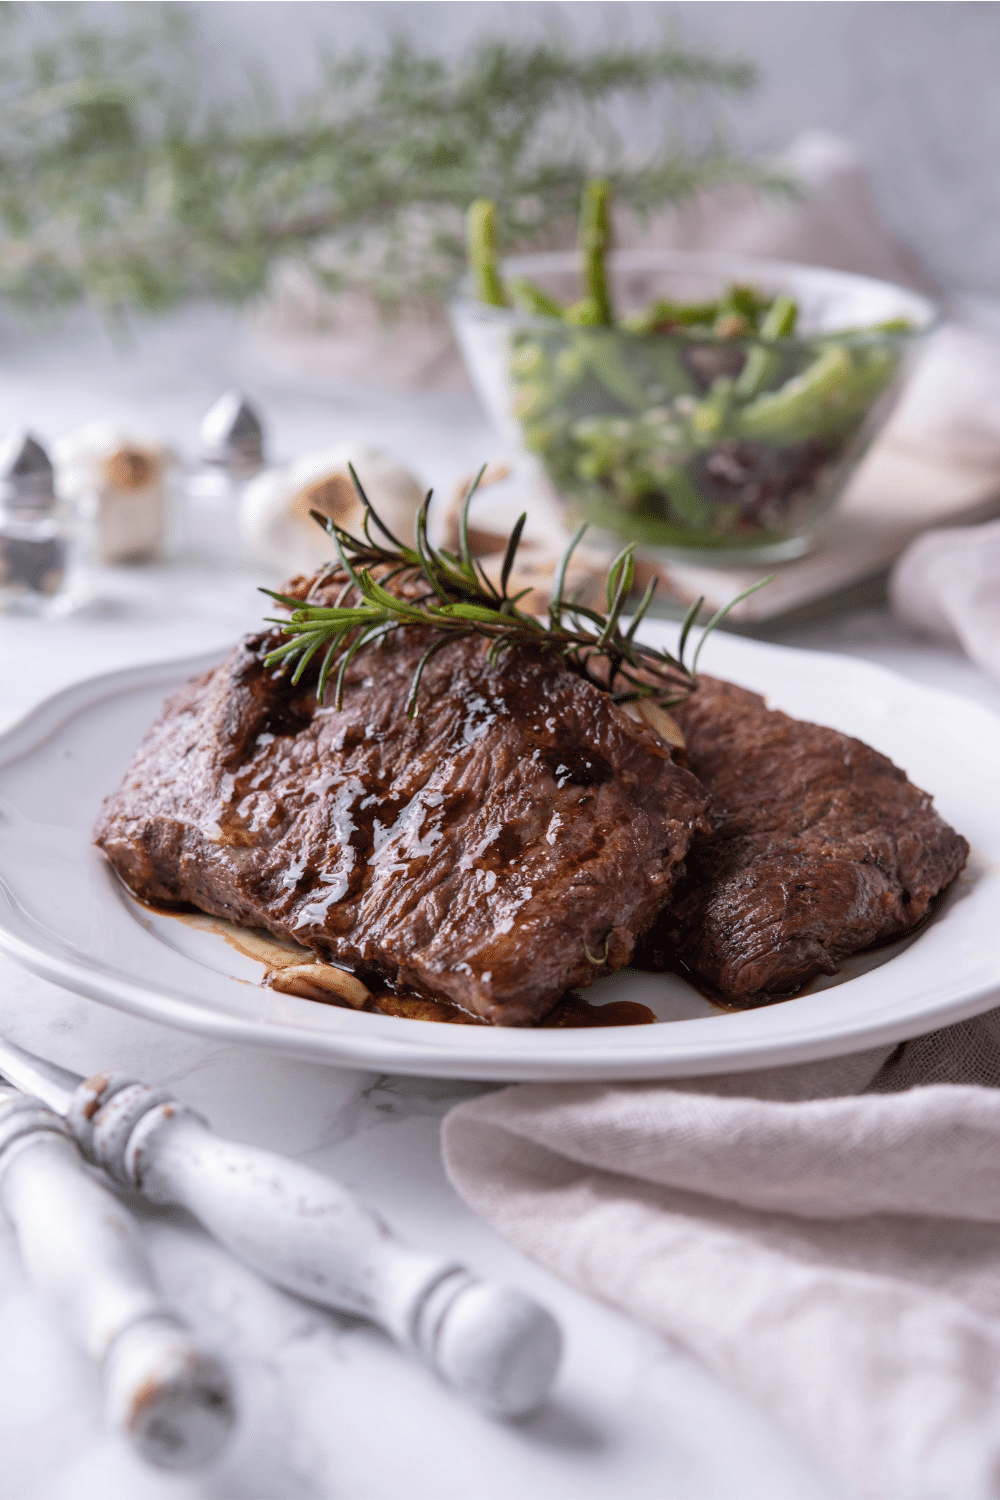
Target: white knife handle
x,y
307,1233
81,1249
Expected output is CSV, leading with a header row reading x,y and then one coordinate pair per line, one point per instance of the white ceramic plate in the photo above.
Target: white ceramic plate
x,y
63,914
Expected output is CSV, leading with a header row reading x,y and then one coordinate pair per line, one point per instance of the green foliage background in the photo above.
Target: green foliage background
x,y
120,185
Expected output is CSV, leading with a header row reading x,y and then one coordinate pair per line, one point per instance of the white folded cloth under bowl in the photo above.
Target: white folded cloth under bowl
x,y
947,583
825,1237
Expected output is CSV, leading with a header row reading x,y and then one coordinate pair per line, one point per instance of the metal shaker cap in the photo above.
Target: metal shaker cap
x,y
26,477
231,435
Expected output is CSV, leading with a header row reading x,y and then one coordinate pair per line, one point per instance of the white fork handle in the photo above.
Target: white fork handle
x,y
310,1234
81,1248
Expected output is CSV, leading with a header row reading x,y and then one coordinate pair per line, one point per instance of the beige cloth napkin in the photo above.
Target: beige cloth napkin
x,y
947,583
835,220
825,1237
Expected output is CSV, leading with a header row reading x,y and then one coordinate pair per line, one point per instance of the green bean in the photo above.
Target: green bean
x,y
784,415
710,417
690,508
480,230
583,314
764,364
532,299
827,398
695,314
744,301
662,316
605,360
595,239
528,360
664,356
780,318
891,325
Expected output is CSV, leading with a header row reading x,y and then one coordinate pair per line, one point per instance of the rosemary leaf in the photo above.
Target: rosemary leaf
x,y
689,620
121,187
720,615
513,542
456,604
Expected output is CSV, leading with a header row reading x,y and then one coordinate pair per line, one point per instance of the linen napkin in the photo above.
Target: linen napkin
x,y
833,221
947,583
825,1237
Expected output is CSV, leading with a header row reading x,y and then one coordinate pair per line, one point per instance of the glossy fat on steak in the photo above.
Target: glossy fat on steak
x,y
821,847
507,844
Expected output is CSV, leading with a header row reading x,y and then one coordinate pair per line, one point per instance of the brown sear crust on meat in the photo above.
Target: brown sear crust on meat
x,y
477,853
821,848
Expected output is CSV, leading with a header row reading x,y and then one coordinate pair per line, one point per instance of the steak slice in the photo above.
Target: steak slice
x,y
821,847
508,843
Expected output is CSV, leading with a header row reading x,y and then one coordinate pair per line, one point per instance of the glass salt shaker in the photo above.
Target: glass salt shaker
x,y
35,539
231,452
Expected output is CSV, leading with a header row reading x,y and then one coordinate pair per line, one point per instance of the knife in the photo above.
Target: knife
x,y
306,1233
81,1248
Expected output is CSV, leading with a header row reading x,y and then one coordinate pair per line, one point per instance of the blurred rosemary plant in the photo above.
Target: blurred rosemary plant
x,y
119,186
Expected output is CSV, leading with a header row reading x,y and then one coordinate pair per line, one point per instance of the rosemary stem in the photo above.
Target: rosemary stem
x,y
452,597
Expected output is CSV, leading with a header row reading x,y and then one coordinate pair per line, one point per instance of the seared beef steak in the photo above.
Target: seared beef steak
x,y
821,847
508,843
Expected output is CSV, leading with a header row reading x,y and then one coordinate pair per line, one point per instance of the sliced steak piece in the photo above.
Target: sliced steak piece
x,y
508,843
821,847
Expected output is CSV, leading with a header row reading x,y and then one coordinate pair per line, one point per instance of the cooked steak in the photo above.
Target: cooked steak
x,y
821,847
508,843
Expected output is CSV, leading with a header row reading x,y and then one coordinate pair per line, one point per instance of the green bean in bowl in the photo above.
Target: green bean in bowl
x,y
711,405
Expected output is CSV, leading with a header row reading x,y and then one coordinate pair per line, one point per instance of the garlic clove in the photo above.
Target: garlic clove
x,y
275,518
265,525
661,723
319,982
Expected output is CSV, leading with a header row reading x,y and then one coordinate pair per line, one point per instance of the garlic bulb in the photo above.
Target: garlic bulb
x,y
116,481
274,512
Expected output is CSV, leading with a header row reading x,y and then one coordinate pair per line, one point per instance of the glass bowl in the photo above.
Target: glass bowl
x,y
711,448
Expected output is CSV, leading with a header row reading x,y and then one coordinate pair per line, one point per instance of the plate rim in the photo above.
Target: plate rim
x,y
384,1047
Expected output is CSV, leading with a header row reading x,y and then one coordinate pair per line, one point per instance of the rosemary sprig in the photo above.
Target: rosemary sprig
x,y
121,182
454,596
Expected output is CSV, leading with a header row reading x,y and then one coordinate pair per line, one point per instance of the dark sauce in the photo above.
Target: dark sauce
x,y
573,1011
654,954
263,947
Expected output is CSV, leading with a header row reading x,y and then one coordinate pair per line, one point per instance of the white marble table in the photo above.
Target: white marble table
x,y
329,1408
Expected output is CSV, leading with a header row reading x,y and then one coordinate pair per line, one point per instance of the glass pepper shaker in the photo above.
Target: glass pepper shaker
x,y
34,537
231,452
